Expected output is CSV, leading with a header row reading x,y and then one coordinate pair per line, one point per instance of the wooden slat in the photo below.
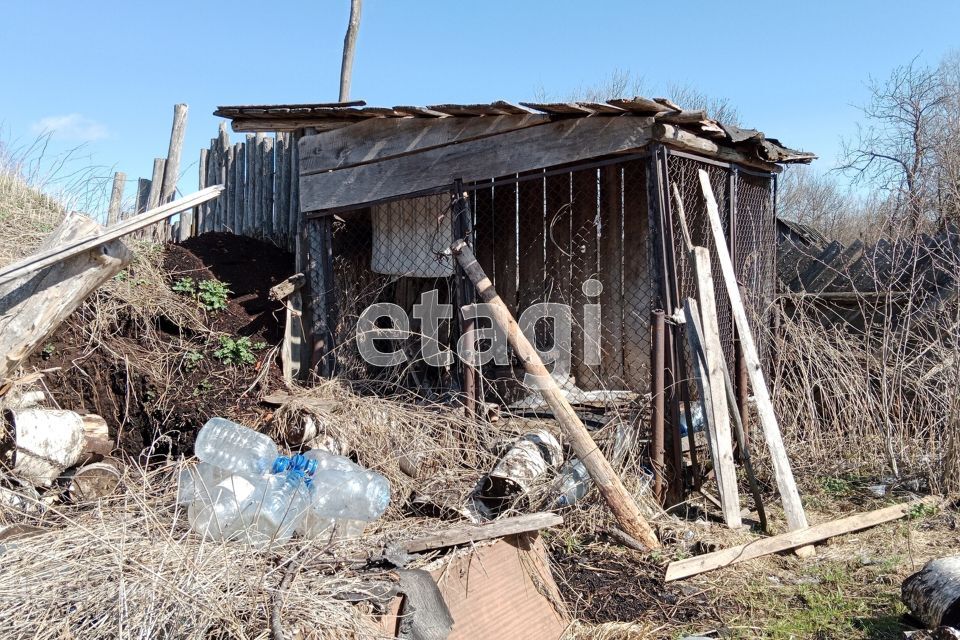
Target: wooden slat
x,y
559,108
638,283
234,110
259,125
422,112
374,140
786,541
266,229
469,533
116,198
512,152
583,244
530,242
789,495
817,266
610,275
682,117
638,105
505,245
38,261
484,232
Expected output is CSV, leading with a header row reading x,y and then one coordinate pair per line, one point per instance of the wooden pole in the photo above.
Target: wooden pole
x,y
153,198
250,180
238,203
171,171
203,210
349,46
267,177
223,169
116,198
621,503
790,496
143,194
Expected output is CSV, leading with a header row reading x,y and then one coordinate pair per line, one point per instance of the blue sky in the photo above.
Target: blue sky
x,y
105,75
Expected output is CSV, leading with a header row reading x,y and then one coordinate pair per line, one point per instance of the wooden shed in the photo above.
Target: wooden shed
x,y
564,202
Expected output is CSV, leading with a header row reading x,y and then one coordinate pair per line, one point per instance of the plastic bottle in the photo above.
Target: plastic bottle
x,y
215,511
236,448
197,481
343,497
278,505
574,483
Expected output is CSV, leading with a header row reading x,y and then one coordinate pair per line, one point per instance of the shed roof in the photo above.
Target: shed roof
x,y
328,116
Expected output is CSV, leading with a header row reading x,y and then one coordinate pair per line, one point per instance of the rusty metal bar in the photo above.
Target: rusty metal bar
x,y
657,404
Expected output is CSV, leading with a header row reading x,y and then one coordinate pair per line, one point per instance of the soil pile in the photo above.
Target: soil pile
x,y
151,360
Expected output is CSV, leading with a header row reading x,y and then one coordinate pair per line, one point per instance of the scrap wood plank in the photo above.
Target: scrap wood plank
x,y
374,140
790,540
61,252
464,534
789,495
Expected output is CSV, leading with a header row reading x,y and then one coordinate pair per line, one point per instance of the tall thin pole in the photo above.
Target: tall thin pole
x,y
349,45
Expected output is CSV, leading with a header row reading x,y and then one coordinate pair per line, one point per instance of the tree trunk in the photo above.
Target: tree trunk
x,y
33,306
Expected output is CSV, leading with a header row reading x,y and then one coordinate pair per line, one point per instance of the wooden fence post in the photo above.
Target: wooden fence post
x,y
249,186
143,194
116,198
268,188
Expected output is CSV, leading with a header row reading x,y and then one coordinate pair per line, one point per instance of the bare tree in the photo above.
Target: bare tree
x,y
894,152
349,46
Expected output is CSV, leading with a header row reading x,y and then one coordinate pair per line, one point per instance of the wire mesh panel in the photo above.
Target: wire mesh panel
x,y
745,202
578,237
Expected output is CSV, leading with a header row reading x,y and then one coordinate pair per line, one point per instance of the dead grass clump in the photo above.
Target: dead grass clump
x,y
130,565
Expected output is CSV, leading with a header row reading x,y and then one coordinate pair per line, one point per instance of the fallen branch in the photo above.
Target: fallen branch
x,y
791,540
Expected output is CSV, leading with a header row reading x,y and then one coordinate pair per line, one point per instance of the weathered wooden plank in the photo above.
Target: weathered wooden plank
x,y
638,283
559,108
505,247
267,228
262,125
212,179
821,263
837,269
374,140
639,105
789,495
116,197
484,232
557,266
282,191
239,163
511,152
293,214
153,198
143,192
42,259
611,276
256,226
786,541
226,220
249,185
469,533
714,362
583,247
530,241
223,146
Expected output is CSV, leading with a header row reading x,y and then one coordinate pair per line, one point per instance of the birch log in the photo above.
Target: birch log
x,y
33,306
933,593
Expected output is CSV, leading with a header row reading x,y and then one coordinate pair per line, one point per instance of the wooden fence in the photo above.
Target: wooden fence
x,y
260,180
260,198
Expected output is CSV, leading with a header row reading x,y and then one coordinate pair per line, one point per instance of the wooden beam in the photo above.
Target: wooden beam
x,y
503,154
59,253
260,125
469,533
792,506
685,141
621,503
786,541
383,138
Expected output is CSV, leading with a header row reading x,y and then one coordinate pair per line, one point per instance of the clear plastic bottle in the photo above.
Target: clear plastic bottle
x,y
278,505
236,448
343,497
197,481
216,509
574,483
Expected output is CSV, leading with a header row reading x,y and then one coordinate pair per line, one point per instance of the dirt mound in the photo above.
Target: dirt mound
x,y
248,267
156,378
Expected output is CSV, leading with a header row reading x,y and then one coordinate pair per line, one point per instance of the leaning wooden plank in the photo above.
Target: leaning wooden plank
x,y
465,534
499,155
373,140
77,246
713,361
792,507
33,307
621,503
786,541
